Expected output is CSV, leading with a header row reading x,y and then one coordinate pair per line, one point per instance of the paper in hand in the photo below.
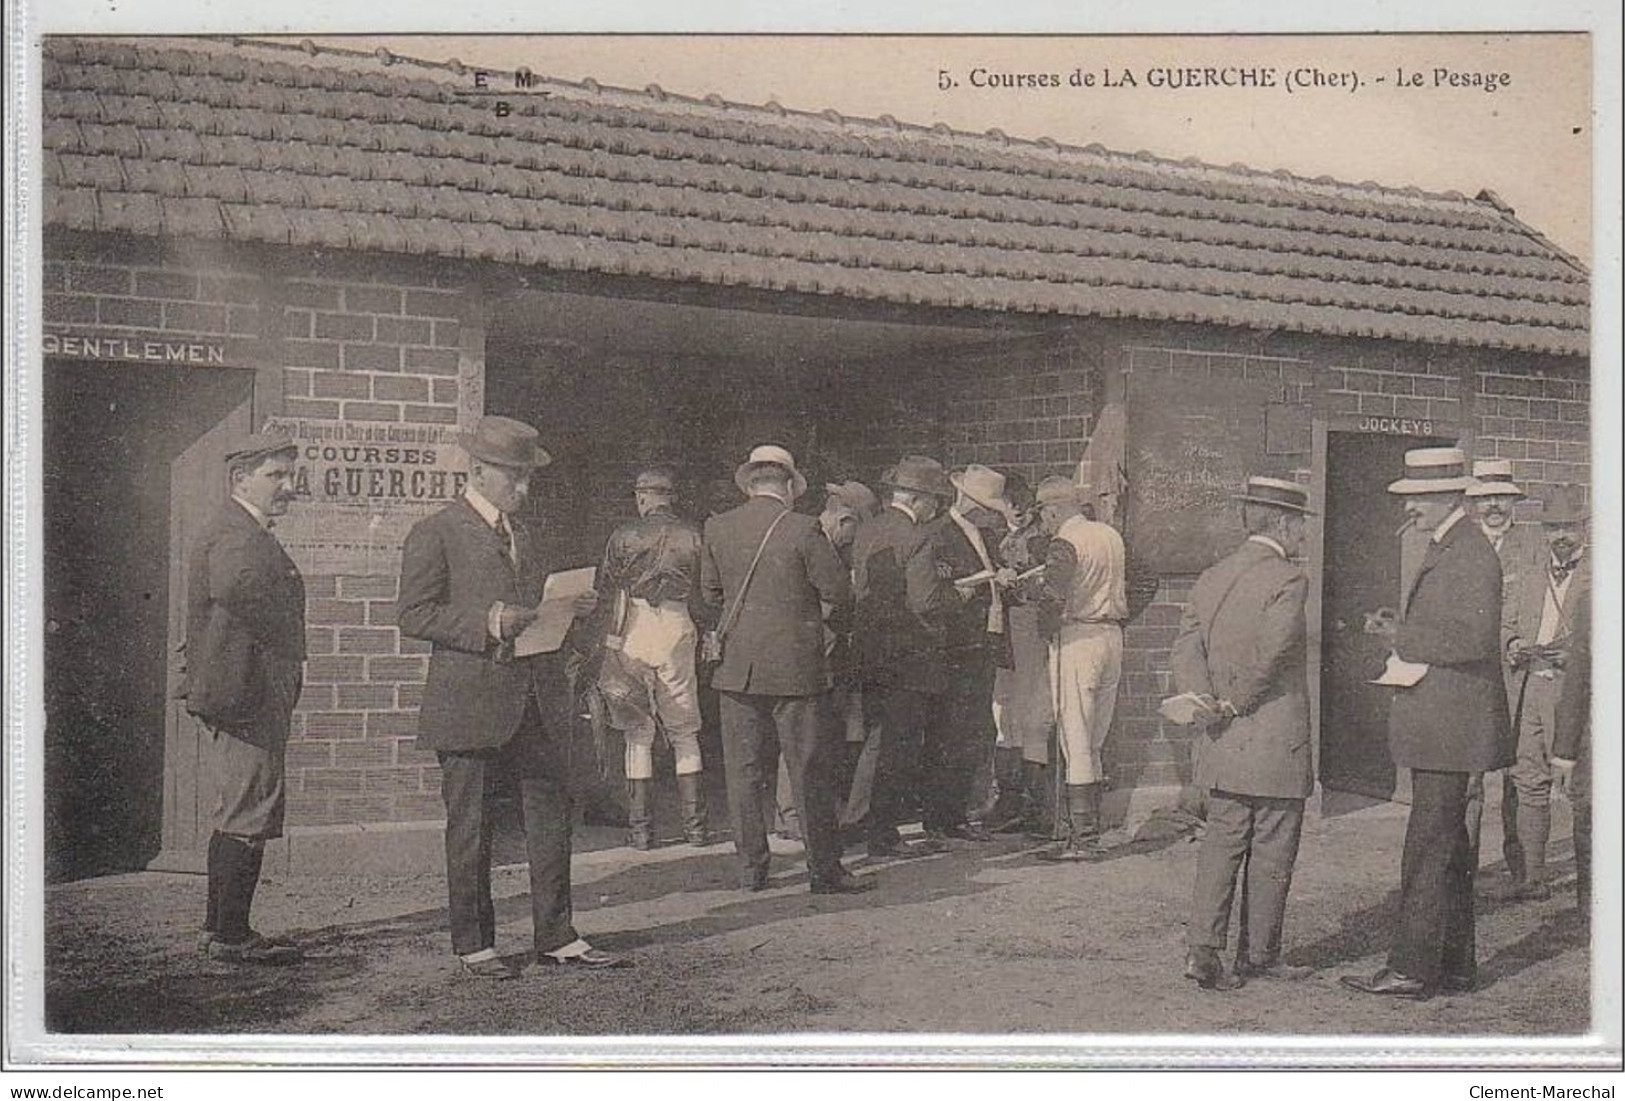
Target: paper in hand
x,y
1185,708
1399,673
555,613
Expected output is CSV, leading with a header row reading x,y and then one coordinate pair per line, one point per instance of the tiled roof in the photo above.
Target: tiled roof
x,y
260,142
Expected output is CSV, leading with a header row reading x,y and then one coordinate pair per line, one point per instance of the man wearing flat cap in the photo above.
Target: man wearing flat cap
x,y
768,573
1536,635
651,577
245,653
1444,726
977,642
471,581
904,602
1242,648
1084,590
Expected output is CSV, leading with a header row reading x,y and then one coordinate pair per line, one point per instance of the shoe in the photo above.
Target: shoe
x,y
256,949
641,840
1458,984
204,939
1281,972
755,881
493,969
700,838
593,959
1386,981
843,884
1204,967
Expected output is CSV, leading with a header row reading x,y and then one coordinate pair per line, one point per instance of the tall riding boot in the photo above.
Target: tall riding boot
x,y
691,797
1534,830
639,814
219,869
1036,803
240,874
1082,815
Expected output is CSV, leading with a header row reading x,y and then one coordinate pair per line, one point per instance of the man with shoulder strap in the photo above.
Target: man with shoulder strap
x,y
1242,649
767,573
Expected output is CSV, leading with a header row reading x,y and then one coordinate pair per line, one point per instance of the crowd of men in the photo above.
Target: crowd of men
x,y
947,652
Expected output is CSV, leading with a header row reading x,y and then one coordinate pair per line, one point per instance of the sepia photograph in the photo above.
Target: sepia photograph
x,y
805,549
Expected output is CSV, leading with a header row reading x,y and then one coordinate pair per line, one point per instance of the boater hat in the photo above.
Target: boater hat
x,y
919,474
769,455
1493,478
259,445
503,441
1277,494
1433,470
984,486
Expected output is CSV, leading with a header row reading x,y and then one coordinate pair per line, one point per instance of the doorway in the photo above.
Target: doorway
x,y
111,435
1362,569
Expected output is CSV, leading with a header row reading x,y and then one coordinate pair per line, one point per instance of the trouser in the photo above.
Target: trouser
x,y
911,727
1435,935
1526,789
967,745
1256,837
1086,660
536,761
755,730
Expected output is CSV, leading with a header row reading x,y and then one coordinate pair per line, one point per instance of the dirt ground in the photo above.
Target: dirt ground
x,y
985,939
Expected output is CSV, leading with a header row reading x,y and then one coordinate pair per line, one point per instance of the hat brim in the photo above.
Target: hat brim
x,y
1407,486
1271,502
1495,489
473,450
798,484
945,494
997,504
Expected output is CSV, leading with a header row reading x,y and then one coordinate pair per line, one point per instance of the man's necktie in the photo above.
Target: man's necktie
x,y
505,530
1561,570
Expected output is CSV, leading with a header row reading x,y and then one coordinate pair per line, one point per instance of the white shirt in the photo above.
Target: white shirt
x,y
1449,522
1270,543
1552,619
995,609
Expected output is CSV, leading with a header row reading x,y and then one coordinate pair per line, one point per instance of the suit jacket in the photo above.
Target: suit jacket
x,y
775,646
901,622
245,629
1571,724
1455,718
1243,638
1525,595
968,637
454,566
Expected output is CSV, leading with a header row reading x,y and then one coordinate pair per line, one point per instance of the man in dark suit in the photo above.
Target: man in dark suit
x,y
1536,629
1444,727
767,572
904,602
1571,747
977,645
245,653
470,584
1242,648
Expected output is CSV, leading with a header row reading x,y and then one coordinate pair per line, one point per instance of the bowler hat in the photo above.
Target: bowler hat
x,y
1565,504
258,445
855,496
770,455
1433,470
919,474
984,486
1276,493
503,441
1493,478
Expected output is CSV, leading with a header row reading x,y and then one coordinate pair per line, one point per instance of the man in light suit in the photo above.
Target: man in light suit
x,y
767,573
1242,646
1537,627
470,584
1444,727
245,653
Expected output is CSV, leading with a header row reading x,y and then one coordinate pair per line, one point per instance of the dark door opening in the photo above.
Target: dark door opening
x,y
1362,571
110,436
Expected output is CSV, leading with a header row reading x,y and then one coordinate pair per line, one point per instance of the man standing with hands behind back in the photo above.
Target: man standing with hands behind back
x,y
1445,726
470,584
245,653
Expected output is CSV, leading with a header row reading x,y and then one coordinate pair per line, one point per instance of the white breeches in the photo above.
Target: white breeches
x,y
1086,661
659,654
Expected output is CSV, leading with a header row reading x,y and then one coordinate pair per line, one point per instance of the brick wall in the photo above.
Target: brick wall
x,y
350,343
